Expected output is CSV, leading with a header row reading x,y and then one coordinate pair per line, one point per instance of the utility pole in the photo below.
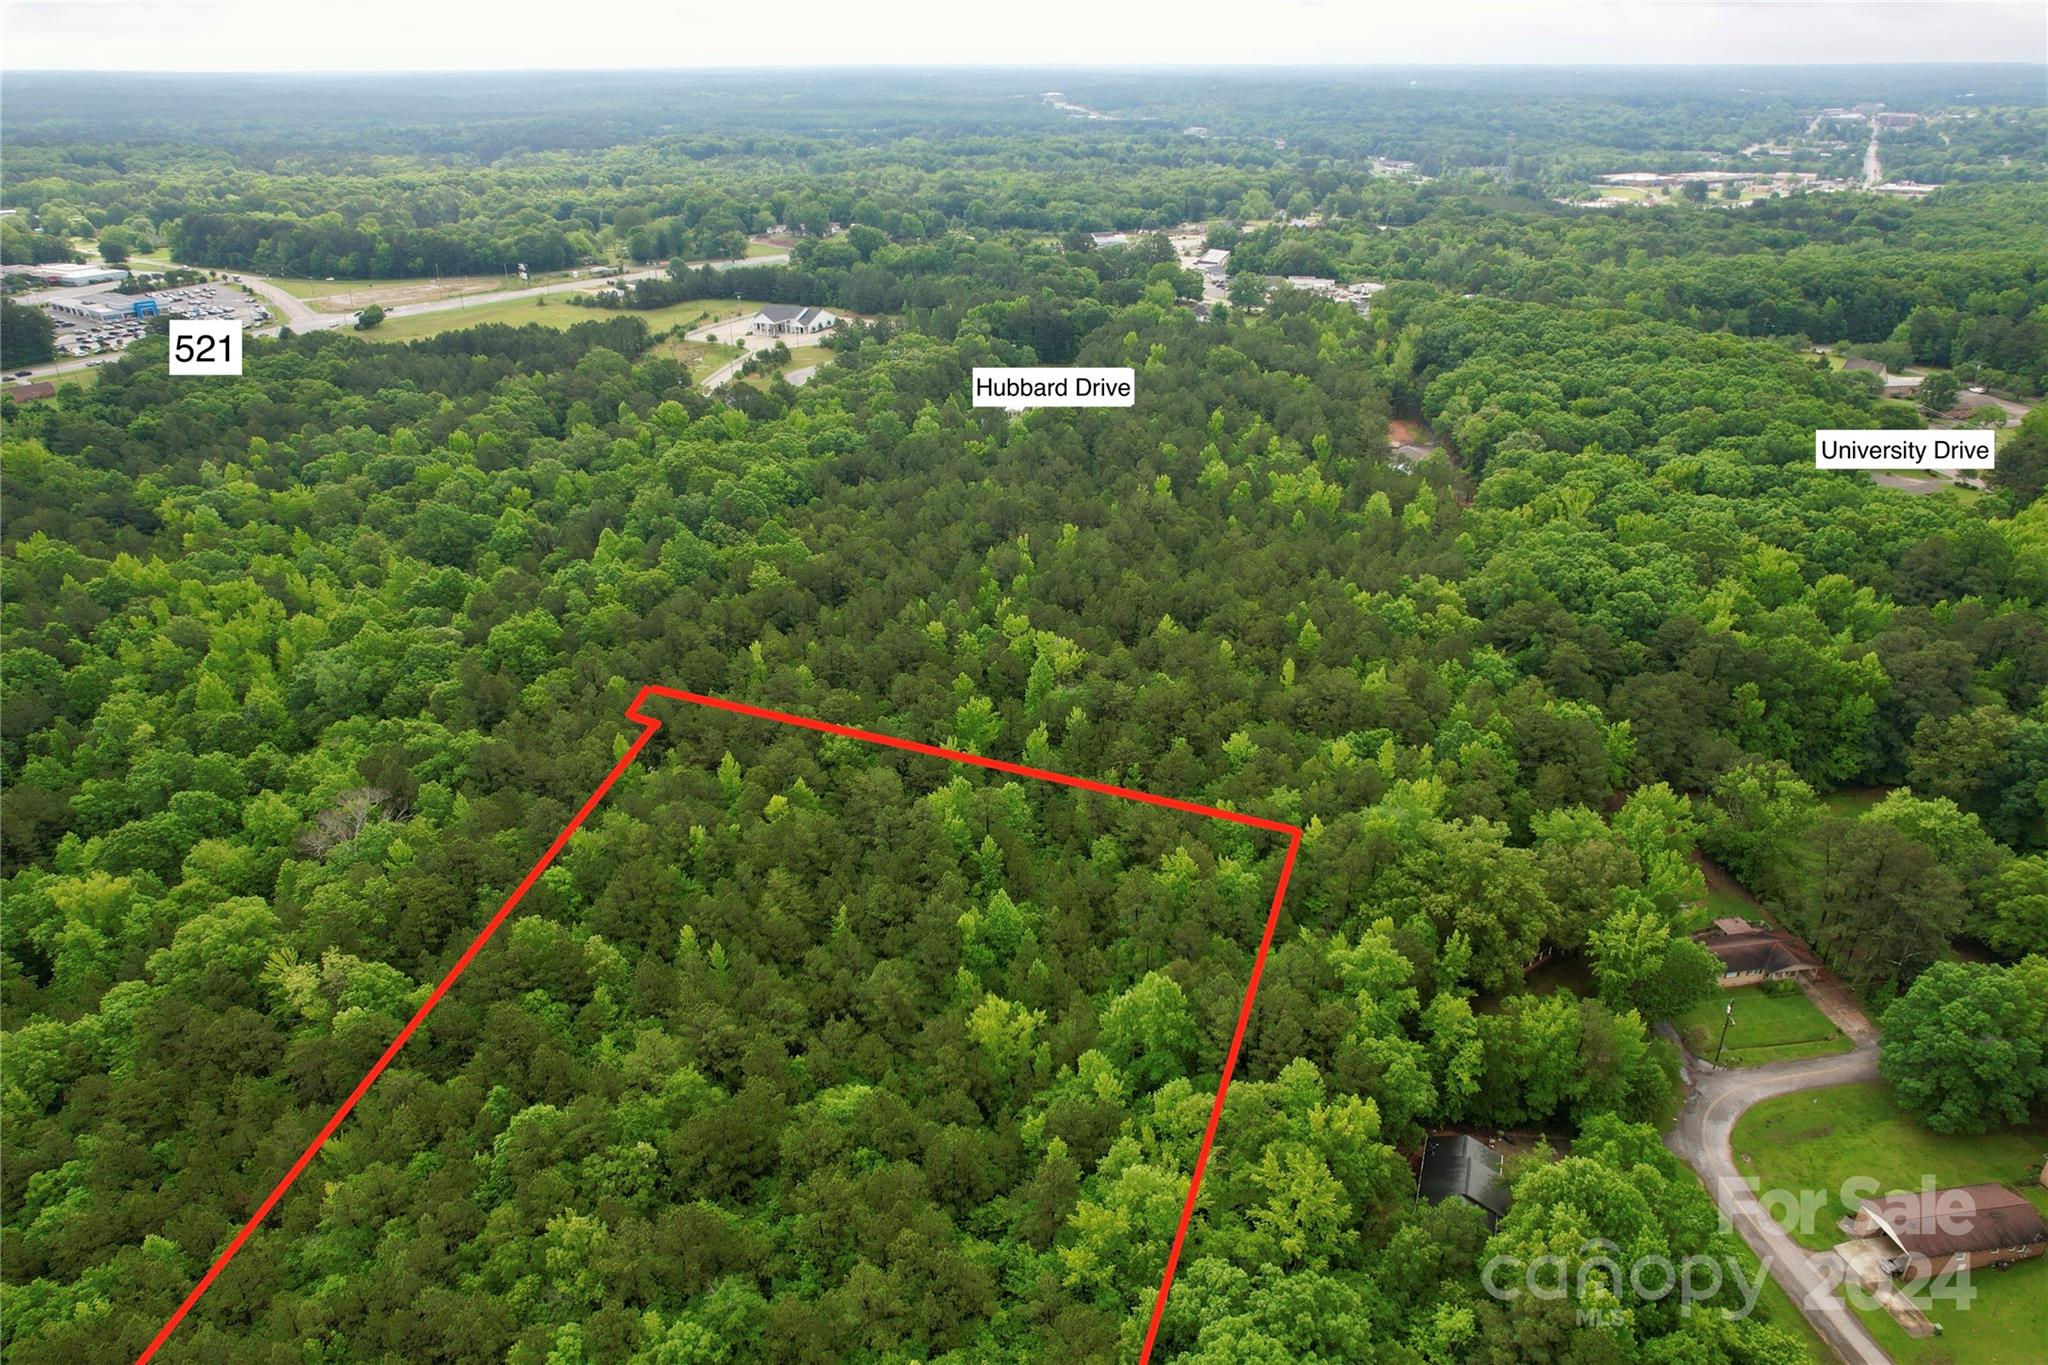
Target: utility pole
x,y
1727,1018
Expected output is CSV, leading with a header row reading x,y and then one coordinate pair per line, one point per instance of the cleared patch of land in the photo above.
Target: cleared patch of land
x,y
1766,1028
342,296
551,310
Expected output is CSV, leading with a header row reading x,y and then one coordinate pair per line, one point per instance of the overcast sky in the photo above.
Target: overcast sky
x,y
439,35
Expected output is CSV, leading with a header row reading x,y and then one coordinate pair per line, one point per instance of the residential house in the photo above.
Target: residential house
x,y
1942,1231
793,319
1750,953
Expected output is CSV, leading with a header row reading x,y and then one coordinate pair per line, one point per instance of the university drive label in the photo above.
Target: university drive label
x,y
1902,449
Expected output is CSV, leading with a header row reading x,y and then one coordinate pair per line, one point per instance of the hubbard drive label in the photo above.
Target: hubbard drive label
x,y
1047,386
1903,449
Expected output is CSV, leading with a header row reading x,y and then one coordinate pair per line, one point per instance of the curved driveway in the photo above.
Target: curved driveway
x,y
1701,1139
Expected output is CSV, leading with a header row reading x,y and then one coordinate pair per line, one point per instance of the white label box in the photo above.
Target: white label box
x,y
206,346
1904,449
1051,386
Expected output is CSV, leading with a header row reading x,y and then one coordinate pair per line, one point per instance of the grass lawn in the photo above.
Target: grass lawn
x,y
1819,1139
341,296
85,378
765,249
550,310
2008,1310
698,357
1851,802
1767,1028
1722,902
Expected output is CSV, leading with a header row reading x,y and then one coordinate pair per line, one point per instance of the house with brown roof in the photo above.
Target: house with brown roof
x,y
1750,953
1942,1231
25,392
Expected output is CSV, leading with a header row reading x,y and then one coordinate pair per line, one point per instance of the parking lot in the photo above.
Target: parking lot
x,y
89,336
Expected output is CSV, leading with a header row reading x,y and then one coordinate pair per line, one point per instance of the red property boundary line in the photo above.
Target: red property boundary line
x,y
649,725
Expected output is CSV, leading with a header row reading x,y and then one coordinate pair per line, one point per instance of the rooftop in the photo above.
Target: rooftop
x,y
1461,1165
1743,947
1936,1223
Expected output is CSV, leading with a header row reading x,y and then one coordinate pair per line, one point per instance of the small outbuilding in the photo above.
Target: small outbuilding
x,y
1459,1166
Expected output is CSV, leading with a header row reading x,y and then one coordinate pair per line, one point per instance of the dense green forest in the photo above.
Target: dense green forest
x,y
374,178
804,1051
847,1055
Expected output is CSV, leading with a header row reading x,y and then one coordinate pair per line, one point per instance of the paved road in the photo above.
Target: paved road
x,y
1873,169
44,371
301,316
289,310
1701,1139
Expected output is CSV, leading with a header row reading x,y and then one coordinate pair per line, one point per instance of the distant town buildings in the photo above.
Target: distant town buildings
x,y
1359,294
67,275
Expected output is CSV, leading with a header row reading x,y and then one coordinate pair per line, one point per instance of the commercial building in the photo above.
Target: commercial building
x,y
69,275
103,308
1965,1228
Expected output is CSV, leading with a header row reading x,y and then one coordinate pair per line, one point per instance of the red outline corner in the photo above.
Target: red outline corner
x,y
649,725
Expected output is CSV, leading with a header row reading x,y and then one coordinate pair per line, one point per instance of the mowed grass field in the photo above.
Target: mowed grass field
x,y
341,296
552,310
1766,1028
1819,1139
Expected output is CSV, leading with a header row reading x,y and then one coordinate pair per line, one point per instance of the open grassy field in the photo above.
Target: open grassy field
x,y
551,311
1819,1139
1766,1028
341,296
2007,1311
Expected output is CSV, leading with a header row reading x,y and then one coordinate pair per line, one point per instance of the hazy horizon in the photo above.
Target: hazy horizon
x,y
315,37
